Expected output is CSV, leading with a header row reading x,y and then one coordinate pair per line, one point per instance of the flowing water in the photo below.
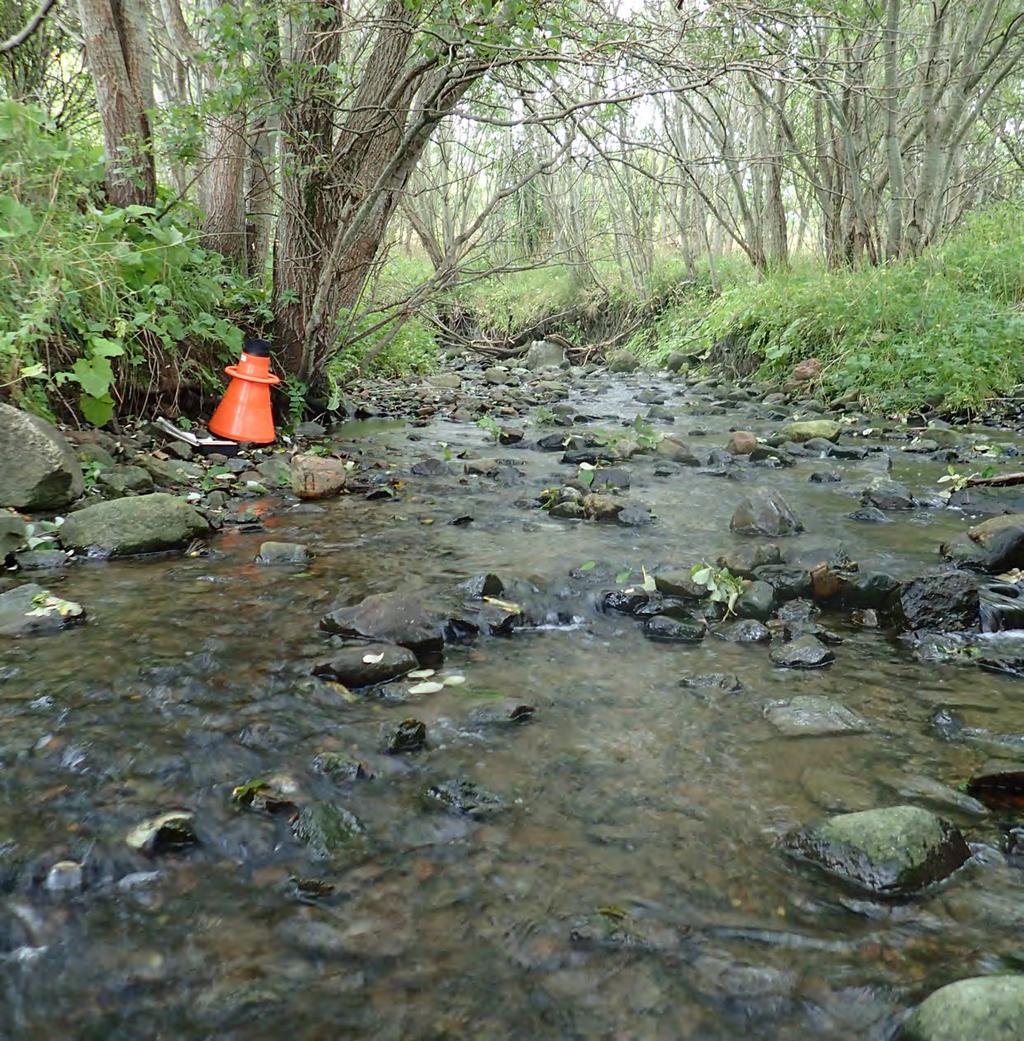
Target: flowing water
x,y
633,889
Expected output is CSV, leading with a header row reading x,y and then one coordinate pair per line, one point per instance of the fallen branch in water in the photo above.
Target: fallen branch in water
x,y
998,481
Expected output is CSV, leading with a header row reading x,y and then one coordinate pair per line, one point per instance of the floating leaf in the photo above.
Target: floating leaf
x,y
419,674
373,659
505,605
454,681
430,687
622,576
588,566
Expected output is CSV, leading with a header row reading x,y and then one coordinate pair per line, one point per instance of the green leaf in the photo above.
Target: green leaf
x,y
97,410
622,576
15,219
94,376
30,372
588,566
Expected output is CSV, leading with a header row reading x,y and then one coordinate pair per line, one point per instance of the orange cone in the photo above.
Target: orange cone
x,y
244,414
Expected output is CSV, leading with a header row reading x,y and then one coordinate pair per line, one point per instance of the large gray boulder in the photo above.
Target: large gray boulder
x,y
765,513
622,361
894,851
543,354
143,524
366,664
808,429
985,1008
39,471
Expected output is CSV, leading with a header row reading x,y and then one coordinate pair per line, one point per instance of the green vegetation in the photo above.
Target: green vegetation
x,y
945,327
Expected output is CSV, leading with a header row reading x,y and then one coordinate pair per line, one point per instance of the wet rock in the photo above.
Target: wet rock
x,y
874,590
803,431
509,436
341,768
807,652
894,851
664,629
595,456
724,682
409,736
622,361
367,664
65,876
624,601
983,1008
788,581
746,630
317,476
481,467
814,715
125,480
282,553
885,494
13,534
945,601
445,380
838,792
765,513
869,515
742,442
41,559
744,560
430,467
32,610
616,477
676,362
635,515
680,583
496,375
756,601
39,470
602,507
941,796
464,798
390,618
995,545
824,477
998,783
165,833
330,832
676,451
143,524
544,354
1001,607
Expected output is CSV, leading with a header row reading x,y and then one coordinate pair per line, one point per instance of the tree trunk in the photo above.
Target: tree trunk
x,y
118,52
222,188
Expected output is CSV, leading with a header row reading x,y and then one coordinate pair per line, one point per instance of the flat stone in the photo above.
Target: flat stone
x,y
664,629
814,715
812,428
805,653
982,1008
30,609
330,832
390,618
885,494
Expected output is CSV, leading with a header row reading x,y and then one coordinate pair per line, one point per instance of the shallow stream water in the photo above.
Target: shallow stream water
x,y
634,888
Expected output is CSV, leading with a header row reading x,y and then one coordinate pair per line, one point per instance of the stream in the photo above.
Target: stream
x,y
633,888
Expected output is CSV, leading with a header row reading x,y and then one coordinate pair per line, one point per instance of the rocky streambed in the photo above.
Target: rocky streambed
x,y
436,729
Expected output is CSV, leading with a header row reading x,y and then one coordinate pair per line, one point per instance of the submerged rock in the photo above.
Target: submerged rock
x,y
746,630
723,681
463,797
409,736
124,527
805,653
944,601
39,469
884,494
329,831
814,715
282,553
366,664
765,513
894,851
983,1008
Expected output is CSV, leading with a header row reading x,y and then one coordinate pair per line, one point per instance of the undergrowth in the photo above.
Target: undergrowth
x,y
947,327
99,304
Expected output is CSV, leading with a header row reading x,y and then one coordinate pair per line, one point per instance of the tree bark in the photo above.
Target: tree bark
x,y
118,52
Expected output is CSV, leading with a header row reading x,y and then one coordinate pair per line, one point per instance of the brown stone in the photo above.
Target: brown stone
x,y
808,369
317,477
742,442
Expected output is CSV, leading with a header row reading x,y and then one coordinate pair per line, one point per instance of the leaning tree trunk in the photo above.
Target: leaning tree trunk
x,y
222,188
118,52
